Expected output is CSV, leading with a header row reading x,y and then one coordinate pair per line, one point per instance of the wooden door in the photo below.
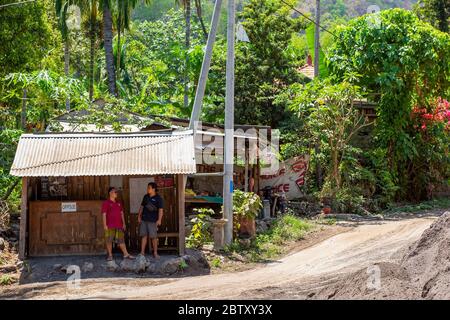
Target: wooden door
x,y
53,232
168,231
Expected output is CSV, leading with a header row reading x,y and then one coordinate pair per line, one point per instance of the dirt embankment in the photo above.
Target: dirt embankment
x,y
423,272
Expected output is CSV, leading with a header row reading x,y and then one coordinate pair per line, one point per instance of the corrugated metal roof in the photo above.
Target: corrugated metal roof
x,y
104,154
307,71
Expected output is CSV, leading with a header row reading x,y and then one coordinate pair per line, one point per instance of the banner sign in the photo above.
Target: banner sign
x,y
289,178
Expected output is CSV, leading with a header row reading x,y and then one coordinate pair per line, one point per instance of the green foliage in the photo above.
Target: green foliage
x,y
6,279
216,262
28,36
200,233
406,62
46,94
183,265
154,66
435,12
264,66
310,35
8,145
272,243
332,120
246,204
440,203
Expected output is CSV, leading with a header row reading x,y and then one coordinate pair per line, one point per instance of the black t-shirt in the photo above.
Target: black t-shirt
x,y
151,207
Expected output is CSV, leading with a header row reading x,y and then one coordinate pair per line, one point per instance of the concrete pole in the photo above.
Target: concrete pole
x,y
229,126
316,75
200,93
317,41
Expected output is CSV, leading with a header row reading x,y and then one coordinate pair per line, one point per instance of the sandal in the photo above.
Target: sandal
x,y
110,258
130,257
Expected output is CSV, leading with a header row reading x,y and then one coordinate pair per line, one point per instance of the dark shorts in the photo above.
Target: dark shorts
x,y
115,236
148,228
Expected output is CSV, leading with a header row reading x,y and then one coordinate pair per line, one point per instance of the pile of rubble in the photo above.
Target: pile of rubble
x,y
423,272
262,225
307,207
166,265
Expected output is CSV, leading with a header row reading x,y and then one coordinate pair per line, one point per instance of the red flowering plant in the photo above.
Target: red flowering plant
x,y
431,167
437,113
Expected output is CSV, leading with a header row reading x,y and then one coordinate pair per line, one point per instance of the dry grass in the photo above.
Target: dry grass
x,y
4,215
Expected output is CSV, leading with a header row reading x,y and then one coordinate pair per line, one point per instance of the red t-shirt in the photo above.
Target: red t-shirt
x,y
113,212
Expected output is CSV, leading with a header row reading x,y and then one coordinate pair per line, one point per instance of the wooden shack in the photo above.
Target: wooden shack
x,y
66,177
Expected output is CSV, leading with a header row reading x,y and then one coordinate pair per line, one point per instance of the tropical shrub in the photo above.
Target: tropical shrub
x,y
405,63
246,204
201,229
332,121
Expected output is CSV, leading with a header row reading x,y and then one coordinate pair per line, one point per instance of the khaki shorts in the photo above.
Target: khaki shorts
x,y
115,236
148,229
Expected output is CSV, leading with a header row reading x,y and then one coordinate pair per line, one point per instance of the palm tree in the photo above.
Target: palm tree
x,y
124,8
198,7
108,45
61,7
93,13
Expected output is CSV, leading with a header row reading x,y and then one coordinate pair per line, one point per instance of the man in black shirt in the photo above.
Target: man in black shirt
x,y
150,217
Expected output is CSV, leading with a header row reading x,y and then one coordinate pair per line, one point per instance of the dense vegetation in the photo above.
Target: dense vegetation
x,y
145,57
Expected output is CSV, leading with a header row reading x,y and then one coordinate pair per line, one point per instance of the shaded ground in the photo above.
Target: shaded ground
x,y
300,275
48,276
54,268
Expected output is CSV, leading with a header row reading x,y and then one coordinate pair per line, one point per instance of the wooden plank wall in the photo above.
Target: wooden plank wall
x,y
169,227
87,188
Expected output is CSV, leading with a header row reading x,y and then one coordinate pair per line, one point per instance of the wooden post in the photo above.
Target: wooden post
x,y
181,182
23,219
246,155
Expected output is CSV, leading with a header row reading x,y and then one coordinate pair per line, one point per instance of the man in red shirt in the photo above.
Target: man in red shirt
x,y
114,224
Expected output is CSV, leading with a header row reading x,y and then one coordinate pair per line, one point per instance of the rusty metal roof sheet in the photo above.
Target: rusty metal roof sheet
x,y
104,154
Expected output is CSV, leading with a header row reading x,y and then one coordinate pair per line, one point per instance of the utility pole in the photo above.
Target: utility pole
x,y
229,126
317,41
200,93
316,75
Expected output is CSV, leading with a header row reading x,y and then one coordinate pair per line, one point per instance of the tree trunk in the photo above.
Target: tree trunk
x,y
109,55
66,66
10,189
442,13
119,27
23,114
198,6
118,54
92,53
188,44
336,174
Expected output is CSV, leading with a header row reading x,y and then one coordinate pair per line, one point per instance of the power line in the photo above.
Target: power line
x,y
307,18
15,3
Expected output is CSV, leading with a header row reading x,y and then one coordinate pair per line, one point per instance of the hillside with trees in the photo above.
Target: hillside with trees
x,y
145,57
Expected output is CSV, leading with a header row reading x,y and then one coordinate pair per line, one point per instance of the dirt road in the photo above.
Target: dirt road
x,y
294,276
